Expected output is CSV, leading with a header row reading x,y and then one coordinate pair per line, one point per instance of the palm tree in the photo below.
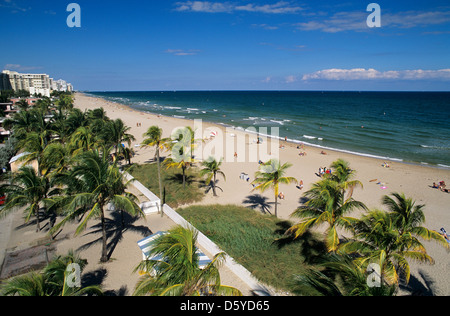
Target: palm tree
x,y
27,188
115,132
409,217
342,174
326,204
21,123
179,164
82,140
95,184
270,175
51,281
153,138
97,119
177,272
56,158
34,144
378,241
23,105
181,151
353,280
211,167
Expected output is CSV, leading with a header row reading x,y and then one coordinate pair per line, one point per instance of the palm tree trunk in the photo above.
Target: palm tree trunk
x,y
276,189
36,212
159,179
184,177
276,204
214,185
104,257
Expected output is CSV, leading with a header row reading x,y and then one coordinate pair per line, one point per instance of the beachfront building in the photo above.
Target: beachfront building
x,y
33,83
61,85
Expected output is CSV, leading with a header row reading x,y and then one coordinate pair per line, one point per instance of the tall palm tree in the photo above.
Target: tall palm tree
x,y
270,175
95,184
27,188
378,241
177,272
179,164
211,168
181,151
326,204
153,138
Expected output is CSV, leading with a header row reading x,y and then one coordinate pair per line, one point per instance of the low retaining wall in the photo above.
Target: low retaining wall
x,y
202,240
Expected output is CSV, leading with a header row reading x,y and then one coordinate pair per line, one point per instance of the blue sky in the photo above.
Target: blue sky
x,y
231,45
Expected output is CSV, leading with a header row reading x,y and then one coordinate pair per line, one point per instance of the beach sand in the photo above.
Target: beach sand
x,y
413,180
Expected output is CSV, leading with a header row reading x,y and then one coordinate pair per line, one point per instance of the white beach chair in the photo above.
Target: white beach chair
x,y
146,246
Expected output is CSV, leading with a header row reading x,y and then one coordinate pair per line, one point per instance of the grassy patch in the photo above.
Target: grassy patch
x,y
175,193
255,241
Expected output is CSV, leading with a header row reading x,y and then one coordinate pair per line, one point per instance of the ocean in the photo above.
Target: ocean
x,y
411,127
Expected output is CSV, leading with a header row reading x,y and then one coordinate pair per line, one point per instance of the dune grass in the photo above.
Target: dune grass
x,y
175,193
256,241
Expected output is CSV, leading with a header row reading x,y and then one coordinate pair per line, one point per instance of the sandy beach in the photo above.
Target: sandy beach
x,y
413,180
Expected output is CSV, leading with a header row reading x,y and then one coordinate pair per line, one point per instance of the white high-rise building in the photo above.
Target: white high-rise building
x,y
34,83
61,85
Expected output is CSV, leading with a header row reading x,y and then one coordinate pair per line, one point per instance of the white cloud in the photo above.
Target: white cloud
x,y
290,79
182,52
373,74
281,7
356,21
265,26
13,6
17,67
203,6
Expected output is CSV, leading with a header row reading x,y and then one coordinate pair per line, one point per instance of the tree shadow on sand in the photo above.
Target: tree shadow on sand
x,y
425,286
209,187
258,202
115,229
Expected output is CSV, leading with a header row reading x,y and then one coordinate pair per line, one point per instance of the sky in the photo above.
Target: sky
x,y
165,45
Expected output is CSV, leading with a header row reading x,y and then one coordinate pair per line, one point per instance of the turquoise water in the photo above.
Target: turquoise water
x,y
404,126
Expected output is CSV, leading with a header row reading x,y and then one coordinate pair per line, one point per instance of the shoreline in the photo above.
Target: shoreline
x,y
280,138
291,142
